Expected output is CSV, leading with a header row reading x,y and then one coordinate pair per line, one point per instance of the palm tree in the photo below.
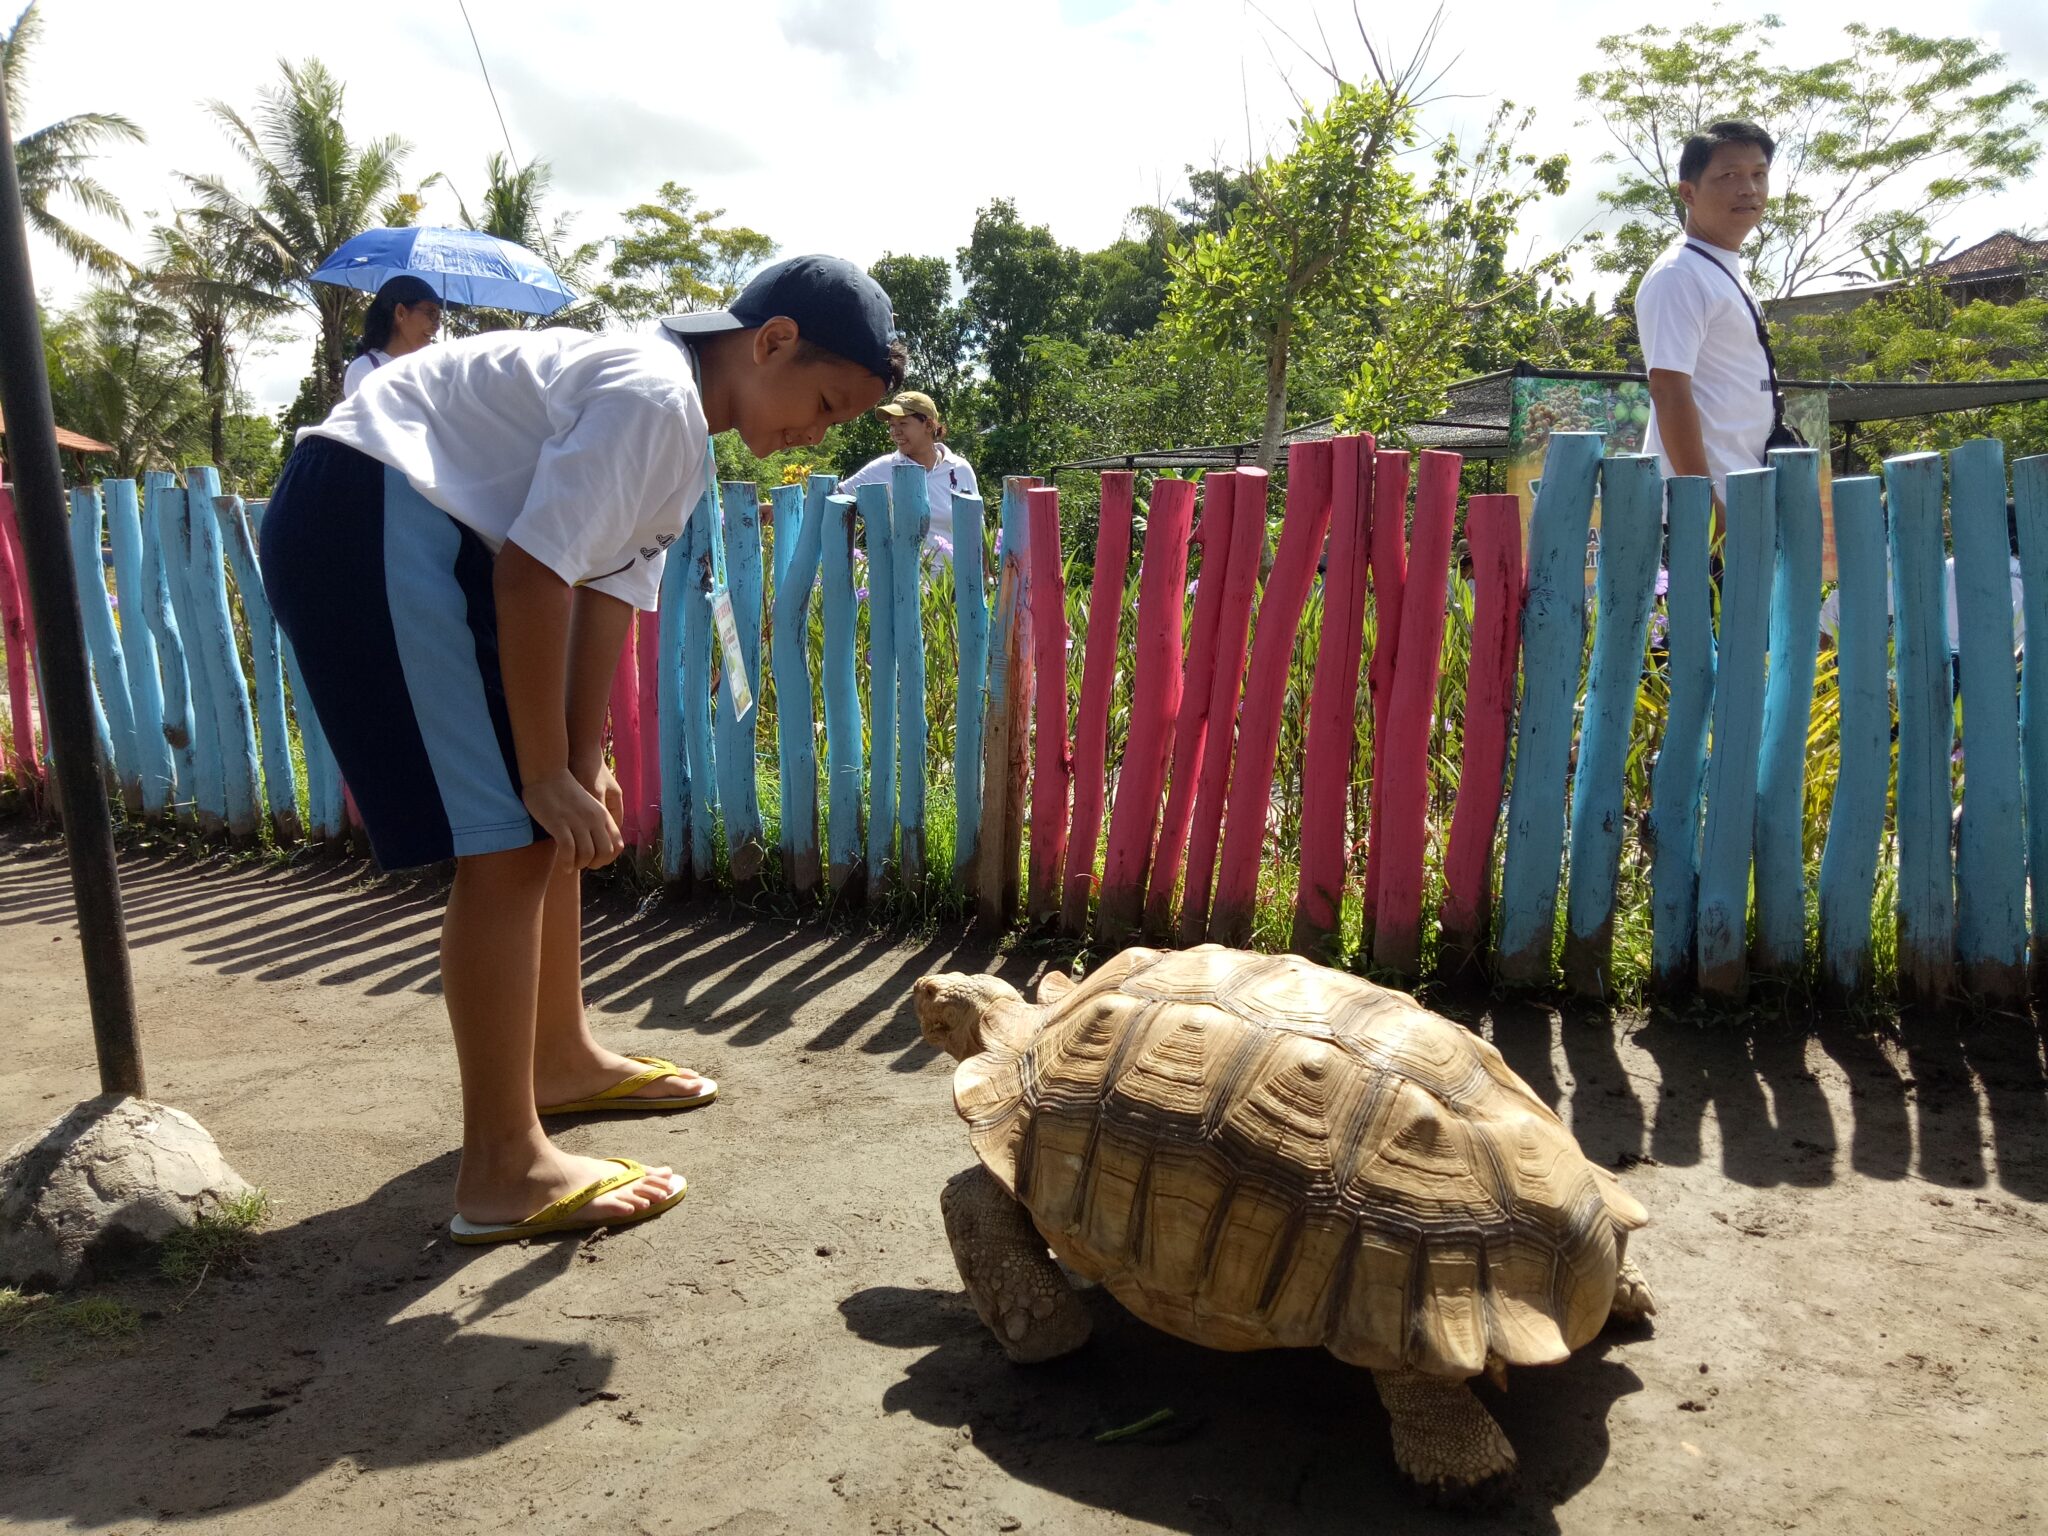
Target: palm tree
x,y
50,162
315,189
513,209
208,275
119,371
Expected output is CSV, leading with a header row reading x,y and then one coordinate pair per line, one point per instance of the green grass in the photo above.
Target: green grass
x,y
91,1319
218,1241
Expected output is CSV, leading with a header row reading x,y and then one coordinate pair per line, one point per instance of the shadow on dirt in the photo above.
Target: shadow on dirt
x,y
1289,1440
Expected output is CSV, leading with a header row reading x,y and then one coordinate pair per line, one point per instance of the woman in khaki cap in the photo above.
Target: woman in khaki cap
x,y
919,436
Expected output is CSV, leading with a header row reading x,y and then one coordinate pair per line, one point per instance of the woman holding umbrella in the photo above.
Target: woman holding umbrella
x,y
404,317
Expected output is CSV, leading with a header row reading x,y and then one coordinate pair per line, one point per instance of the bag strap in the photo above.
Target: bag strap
x,y
1763,332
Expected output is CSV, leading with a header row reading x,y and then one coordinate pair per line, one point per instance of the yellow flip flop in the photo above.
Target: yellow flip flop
x,y
620,1095
558,1216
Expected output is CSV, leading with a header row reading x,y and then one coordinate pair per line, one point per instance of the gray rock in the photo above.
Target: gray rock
x,y
108,1181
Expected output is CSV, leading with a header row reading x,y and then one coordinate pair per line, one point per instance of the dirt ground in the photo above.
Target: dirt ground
x,y
1851,1232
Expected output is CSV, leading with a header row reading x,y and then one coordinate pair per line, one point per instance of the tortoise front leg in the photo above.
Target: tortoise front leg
x,y
1445,1442
1017,1288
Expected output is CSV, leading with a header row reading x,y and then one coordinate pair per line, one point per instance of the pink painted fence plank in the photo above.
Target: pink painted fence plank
x,y
1198,681
1233,629
1389,575
1403,771
1155,700
1098,677
1052,763
1493,528
1258,736
1333,701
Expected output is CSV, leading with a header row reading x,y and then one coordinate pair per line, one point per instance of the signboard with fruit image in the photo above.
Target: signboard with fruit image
x,y
1620,408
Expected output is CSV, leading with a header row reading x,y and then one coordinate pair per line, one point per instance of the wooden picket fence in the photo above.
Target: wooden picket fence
x,y
199,708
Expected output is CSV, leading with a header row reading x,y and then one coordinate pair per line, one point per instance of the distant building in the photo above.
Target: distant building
x,y
1995,270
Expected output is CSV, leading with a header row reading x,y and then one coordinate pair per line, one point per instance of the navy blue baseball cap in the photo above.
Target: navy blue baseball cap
x,y
835,306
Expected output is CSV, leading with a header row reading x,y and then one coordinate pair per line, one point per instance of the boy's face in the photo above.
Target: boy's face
x,y
792,394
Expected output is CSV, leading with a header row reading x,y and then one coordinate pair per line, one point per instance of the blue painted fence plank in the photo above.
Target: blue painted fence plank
x,y
842,696
1788,715
739,794
1553,637
266,666
158,769
103,643
678,591
2030,504
1848,864
1725,854
970,596
1991,877
909,517
160,496
878,526
1631,539
1926,728
787,520
798,541
1678,784
699,746
235,721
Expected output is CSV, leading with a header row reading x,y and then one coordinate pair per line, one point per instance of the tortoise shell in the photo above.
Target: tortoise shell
x,y
1253,1151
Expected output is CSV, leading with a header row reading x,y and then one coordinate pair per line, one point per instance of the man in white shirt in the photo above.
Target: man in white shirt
x,y
919,435
1713,394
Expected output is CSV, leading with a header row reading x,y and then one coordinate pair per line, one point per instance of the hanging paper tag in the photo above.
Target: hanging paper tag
x,y
729,643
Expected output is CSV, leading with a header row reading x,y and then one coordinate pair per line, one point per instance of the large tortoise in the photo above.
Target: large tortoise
x,y
1253,1152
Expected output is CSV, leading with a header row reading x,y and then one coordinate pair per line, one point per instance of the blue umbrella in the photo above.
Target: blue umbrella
x,y
464,266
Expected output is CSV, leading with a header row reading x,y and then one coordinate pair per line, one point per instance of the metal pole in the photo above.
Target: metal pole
x,y
60,626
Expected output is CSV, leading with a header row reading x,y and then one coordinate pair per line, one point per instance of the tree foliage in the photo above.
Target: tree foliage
x,y
1874,145
120,372
203,271
315,188
51,162
676,257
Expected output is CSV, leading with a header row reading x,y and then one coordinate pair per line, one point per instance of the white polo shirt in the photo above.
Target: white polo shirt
x,y
1694,321
949,473
587,451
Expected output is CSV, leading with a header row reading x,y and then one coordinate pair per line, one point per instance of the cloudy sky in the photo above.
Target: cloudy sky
x,y
855,126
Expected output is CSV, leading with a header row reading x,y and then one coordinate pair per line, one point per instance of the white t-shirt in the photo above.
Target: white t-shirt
x,y
588,452
1692,320
365,364
949,473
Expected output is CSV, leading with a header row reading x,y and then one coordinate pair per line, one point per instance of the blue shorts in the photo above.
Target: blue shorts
x,y
388,605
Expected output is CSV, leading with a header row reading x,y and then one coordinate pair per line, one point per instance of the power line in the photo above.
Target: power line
x,y
480,64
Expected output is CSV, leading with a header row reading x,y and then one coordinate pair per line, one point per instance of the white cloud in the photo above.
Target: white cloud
x,y
857,126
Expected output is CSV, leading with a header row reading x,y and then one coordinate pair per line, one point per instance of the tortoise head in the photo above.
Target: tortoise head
x,y
964,1015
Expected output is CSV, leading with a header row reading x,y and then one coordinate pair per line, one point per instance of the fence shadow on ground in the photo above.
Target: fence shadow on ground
x,y
349,1369
1304,1432
1957,1098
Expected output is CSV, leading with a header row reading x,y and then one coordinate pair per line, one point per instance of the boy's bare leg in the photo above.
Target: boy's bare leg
x,y
568,1064
490,975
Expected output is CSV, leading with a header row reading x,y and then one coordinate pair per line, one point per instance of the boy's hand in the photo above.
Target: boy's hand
x,y
584,827
603,784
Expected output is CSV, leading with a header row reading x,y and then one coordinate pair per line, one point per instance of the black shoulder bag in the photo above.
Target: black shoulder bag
x,y
1782,435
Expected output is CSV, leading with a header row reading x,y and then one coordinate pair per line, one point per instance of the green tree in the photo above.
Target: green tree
x,y
1448,299
1875,145
1316,226
1020,284
1124,285
204,272
51,161
315,188
676,257
514,208
120,371
1214,196
253,455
